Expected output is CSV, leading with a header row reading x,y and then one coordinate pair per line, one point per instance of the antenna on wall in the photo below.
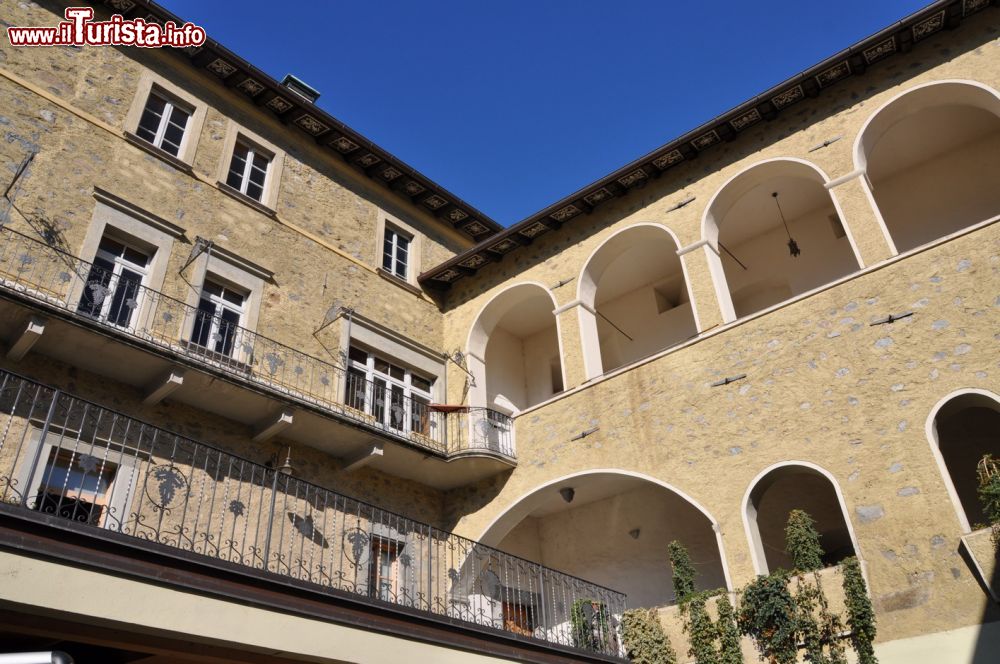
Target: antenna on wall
x,y
458,358
201,246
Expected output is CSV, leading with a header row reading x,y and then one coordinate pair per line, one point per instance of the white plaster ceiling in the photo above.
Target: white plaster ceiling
x,y
645,262
927,134
528,317
589,489
755,212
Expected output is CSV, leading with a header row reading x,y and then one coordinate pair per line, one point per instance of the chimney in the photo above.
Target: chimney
x,y
300,88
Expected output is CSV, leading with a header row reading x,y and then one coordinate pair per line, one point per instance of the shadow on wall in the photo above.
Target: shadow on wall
x,y
987,649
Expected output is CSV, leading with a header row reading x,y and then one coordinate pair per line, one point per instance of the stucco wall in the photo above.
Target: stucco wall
x,y
822,384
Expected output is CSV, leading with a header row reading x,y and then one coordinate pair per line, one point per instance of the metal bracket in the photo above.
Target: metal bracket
x,y
727,380
891,318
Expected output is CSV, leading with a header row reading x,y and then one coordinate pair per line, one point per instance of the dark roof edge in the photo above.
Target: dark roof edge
x,y
234,72
857,58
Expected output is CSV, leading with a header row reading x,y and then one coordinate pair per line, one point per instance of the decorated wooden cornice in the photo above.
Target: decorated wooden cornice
x,y
299,114
896,39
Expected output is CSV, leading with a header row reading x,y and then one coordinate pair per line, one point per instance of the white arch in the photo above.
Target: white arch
x,y
710,226
479,334
948,91
930,428
586,293
750,513
616,471
586,287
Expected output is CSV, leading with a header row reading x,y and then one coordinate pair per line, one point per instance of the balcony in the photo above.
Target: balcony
x,y
72,464
153,333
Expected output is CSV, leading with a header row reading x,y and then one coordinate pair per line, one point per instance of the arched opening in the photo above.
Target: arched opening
x,y
514,350
931,160
614,531
965,428
782,489
770,248
635,285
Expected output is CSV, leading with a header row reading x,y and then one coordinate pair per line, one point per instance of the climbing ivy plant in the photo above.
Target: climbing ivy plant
x,y
729,634
819,629
644,639
989,493
700,629
860,615
802,542
768,616
591,625
683,570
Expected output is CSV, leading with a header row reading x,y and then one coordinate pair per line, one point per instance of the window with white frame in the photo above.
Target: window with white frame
x,y
220,314
114,284
80,476
396,397
396,252
248,170
164,123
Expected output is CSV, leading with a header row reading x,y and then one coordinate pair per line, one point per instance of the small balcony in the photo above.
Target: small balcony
x,y
153,334
70,464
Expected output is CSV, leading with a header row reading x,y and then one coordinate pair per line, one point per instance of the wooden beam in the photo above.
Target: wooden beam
x,y
30,333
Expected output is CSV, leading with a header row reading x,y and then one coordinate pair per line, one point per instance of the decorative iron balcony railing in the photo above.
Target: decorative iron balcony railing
x,y
66,457
124,306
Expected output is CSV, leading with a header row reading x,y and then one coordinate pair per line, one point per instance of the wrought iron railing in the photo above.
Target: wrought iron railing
x,y
59,279
63,456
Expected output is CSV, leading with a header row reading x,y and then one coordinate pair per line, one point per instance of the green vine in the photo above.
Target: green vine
x,y
682,570
700,629
802,542
989,493
590,633
819,629
860,615
644,639
729,634
768,616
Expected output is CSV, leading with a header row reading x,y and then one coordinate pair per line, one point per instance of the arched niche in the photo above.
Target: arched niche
x,y
930,157
514,351
749,230
785,487
962,428
635,289
614,531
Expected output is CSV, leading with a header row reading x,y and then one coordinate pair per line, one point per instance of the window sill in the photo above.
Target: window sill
x,y
243,198
160,154
406,285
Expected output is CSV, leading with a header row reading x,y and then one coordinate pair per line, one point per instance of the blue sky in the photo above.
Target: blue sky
x,y
514,104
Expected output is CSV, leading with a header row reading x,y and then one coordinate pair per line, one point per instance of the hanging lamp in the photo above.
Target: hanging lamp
x,y
793,247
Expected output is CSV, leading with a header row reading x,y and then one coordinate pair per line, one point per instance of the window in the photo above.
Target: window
x,y
519,618
166,120
163,123
218,319
396,397
248,170
81,475
383,569
395,252
114,284
75,486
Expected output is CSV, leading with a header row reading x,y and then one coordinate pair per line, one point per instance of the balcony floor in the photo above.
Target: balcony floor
x,y
98,349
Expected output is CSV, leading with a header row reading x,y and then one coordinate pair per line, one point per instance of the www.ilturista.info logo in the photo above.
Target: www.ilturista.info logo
x,y
79,29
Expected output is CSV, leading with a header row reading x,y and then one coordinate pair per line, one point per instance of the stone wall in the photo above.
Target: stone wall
x,y
70,105
823,385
